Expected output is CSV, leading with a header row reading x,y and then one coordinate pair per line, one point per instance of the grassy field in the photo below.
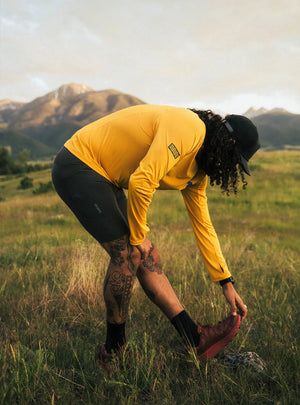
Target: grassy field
x,y
52,315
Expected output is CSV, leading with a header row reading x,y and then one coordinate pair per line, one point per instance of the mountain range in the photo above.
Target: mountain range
x,y
44,124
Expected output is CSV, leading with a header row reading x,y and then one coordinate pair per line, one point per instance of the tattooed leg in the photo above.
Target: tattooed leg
x,y
157,286
119,280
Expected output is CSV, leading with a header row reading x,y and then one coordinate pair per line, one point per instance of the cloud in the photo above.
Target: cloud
x,y
162,51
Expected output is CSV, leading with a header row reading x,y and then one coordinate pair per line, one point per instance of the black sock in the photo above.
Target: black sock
x,y
115,336
186,328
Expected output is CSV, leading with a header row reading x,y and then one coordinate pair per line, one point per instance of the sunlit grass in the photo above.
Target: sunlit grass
x,y
52,315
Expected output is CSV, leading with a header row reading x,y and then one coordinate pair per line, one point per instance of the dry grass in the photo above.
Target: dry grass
x,y
88,266
52,315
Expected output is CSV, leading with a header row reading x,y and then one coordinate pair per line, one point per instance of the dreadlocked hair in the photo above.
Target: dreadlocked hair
x,y
219,157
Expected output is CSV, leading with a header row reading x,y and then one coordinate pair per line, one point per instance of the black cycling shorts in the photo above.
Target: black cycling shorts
x,y
100,206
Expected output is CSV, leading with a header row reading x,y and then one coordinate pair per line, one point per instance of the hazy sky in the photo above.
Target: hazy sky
x,y
224,55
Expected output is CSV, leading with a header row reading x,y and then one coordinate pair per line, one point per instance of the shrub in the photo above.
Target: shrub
x,y
43,188
26,182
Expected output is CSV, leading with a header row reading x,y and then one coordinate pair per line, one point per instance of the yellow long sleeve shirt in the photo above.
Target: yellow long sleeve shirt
x,y
149,147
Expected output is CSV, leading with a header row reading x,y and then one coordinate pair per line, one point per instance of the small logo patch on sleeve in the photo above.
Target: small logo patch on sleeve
x,y
174,150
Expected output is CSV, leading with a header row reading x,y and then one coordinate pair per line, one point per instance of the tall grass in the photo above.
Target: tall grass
x,y
52,315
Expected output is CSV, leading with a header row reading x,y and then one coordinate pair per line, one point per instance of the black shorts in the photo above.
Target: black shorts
x,y
100,206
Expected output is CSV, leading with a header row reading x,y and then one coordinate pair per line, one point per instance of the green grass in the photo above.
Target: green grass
x,y
52,315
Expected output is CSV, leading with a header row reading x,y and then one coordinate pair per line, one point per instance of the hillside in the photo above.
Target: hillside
x,y
16,141
70,103
278,130
53,118
44,124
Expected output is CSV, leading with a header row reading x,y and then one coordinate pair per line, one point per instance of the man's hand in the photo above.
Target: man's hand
x,y
234,300
145,248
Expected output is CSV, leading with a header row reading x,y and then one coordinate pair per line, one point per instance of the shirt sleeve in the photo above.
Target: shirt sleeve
x,y
196,202
164,152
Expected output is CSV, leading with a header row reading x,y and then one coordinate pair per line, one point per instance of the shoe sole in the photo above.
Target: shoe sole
x,y
214,349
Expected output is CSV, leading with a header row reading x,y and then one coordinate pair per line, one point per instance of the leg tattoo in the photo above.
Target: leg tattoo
x,y
152,264
121,286
119,280
148,273
131,266
115,252
157,286
110,303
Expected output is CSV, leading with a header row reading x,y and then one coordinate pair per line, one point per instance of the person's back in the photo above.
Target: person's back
x,y
115,145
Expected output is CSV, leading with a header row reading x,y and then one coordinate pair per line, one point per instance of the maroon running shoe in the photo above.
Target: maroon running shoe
x,y
214,337
105,359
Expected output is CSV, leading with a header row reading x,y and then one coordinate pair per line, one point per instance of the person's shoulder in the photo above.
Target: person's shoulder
x,y
179,114
180,121
186,124
188,118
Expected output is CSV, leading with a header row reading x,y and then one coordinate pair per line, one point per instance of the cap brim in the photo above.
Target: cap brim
x,y
244,164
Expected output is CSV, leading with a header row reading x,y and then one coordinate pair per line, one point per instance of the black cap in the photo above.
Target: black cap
x,y
245,133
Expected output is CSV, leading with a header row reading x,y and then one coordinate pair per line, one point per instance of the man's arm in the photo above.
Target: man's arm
x,y
144,182
196,203
207,240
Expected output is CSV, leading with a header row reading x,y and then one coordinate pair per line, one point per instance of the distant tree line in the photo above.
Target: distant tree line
x,y
20,165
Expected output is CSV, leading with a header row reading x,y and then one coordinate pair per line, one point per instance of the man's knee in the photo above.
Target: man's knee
x,y
152,262
122,252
